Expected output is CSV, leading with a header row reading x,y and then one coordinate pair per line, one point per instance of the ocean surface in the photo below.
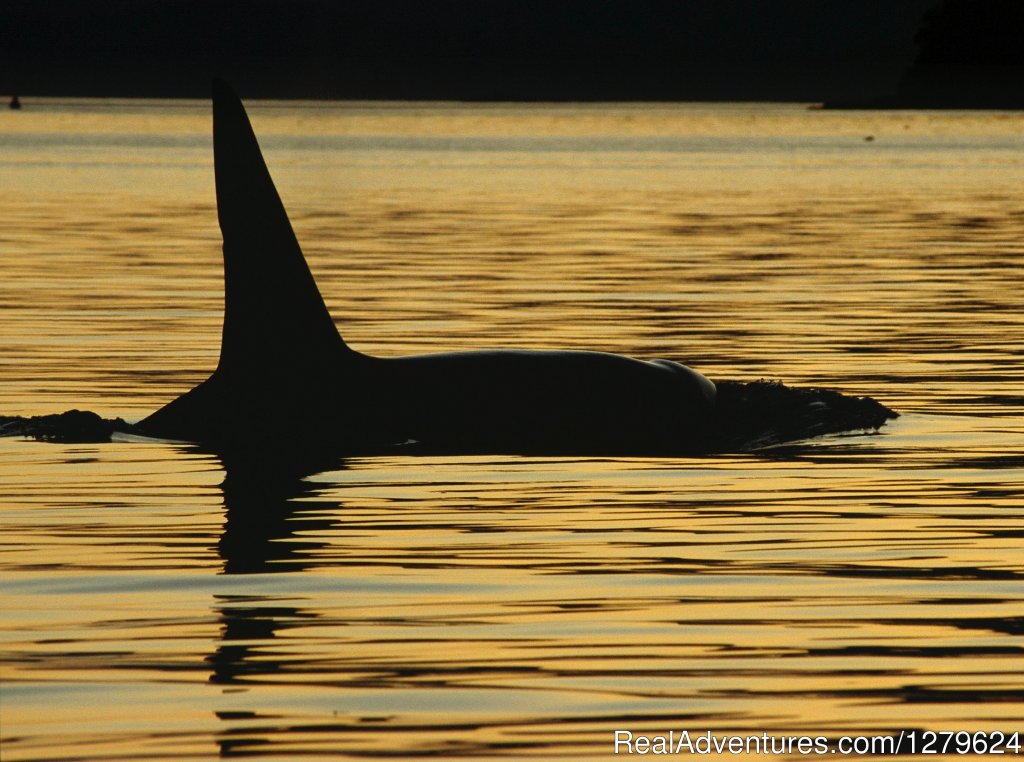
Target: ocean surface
x,y
154,607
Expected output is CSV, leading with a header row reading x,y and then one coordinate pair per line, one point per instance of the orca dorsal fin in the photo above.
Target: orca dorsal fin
x,y
274,315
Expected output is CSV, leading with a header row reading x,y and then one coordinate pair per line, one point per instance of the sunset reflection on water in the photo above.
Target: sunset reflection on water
x,y
509,606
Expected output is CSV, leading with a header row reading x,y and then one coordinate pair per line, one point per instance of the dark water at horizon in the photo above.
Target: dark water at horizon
x,y
503,606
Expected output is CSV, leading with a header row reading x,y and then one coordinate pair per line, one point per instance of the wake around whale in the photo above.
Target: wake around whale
x,y
286,376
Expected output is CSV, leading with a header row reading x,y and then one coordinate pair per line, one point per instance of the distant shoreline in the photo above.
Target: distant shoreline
x,y
881,103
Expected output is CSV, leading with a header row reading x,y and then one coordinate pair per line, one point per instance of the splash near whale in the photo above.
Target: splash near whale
x,y
286,376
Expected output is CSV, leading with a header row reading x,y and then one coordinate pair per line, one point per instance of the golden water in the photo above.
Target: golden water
x,y
525,608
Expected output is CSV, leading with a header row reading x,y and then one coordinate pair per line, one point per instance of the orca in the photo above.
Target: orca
x,y
285,371
285,375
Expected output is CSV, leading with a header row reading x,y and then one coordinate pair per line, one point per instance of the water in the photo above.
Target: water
x,y
501,606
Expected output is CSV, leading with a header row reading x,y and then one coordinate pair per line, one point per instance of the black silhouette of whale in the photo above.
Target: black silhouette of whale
x,y
286,378
285,371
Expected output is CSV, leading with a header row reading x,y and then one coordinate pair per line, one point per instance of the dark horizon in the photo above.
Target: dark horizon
x,y
848,51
